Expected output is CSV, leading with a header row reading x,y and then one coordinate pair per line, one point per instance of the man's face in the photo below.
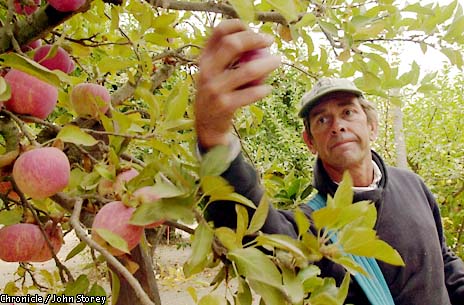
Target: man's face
x,y
340,132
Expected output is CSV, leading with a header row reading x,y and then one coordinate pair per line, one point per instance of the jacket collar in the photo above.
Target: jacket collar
x,y
324,184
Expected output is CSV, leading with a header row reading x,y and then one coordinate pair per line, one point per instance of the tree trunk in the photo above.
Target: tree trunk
x,y
401,159
146,277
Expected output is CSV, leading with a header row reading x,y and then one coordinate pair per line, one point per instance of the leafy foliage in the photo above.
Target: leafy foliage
x,y
145,53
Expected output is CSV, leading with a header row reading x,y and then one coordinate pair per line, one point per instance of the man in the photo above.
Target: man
x,y
339,125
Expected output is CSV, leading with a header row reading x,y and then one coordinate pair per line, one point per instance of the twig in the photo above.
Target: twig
x,y
22,126
75,223
34,281
62,268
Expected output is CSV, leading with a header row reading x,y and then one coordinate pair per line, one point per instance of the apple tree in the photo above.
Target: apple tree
x,y
97,137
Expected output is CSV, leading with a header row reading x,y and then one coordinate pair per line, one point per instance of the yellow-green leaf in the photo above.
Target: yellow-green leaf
x,y
286,7
244,9
16,61
201,248
5,91
73,134
259,217
113,239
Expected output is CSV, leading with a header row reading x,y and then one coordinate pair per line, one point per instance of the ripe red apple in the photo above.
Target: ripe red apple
x,y
147,194
26,7
249,56
31,45
106,187
89,100
115,216
42,172
60,61
30,95
55,236
20,242
66,5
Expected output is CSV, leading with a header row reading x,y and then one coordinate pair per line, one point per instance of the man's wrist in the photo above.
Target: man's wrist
x,y
232,142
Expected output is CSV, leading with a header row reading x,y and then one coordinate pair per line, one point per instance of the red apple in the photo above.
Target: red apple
x,y
249,56
147,194
106,187
30,95
115,216
55,236
31,45
42,172
26,7
20,242
89,100
59,61
66,5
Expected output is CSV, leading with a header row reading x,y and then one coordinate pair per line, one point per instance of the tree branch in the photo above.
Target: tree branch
x,y
215,7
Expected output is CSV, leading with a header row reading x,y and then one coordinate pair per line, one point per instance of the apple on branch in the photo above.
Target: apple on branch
x,y
66,5
90,100
30,95
42,172
114,217
26,7
59,61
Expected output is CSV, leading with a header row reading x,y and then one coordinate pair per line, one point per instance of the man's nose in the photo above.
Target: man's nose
x,y
338,125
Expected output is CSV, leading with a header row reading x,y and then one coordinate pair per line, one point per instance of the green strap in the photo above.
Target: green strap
x,y
374,285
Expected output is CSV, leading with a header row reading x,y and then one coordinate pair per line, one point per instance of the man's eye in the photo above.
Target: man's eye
x,y
322,120
349,112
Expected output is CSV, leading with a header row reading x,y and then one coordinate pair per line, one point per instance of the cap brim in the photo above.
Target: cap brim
x,y
311,103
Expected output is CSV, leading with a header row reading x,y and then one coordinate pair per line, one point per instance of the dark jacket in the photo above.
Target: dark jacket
x,y
408,219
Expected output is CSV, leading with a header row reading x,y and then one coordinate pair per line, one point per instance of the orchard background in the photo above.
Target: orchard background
x,y
133,130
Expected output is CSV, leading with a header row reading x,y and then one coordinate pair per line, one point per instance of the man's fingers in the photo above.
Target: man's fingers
x,y
226,27
239,98
232,79
229,48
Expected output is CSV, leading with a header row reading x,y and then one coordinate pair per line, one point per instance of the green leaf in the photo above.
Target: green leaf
x,y
165,189
293,287
10,217
80,285
177,102
343,291
259,217
270,294
242,220
286,8
215,161
113,239
73,134
283,242
211,299
344,194
228,238
27,65
166,208
76,250
5,90
215,186
243,296
244,9
302,222
329,28
235,197
115,287
201,249
255,265
96,290
364,242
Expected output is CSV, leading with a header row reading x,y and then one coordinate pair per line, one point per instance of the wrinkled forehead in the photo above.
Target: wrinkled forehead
x,y
338,98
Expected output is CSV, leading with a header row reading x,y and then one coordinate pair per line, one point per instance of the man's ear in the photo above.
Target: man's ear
x,y
374,131
309,142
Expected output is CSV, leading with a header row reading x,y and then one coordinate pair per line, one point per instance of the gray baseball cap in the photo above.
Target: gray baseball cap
x,y
322,87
